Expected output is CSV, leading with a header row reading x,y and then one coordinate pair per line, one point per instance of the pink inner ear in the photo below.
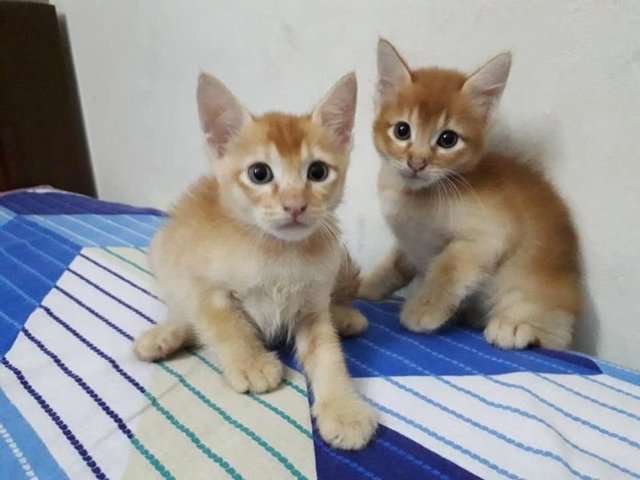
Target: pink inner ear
x,y
218,132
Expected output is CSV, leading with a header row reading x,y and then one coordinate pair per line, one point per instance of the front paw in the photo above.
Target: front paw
x,y
369,291
348,321
260,374
422,318
347,424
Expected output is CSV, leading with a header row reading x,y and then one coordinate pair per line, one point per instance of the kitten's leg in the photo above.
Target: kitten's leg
x,y
525,323
344,419
164,340
391,274
246,363
454,273
348,320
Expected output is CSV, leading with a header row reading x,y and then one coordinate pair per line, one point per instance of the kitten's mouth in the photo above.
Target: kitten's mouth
x,y
293,225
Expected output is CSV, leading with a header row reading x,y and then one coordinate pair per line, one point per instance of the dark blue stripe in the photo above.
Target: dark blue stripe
x,y
117,275
22,203
55,418
97,399
113,297
99,316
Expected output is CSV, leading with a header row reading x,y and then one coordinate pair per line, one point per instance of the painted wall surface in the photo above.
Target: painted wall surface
x,y
573,102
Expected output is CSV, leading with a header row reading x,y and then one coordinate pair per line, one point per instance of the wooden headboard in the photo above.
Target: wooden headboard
x,y
42,137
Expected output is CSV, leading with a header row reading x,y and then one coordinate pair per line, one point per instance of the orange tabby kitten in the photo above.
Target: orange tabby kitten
x,y
253,253
468,222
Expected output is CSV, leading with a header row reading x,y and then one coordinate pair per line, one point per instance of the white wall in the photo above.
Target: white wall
x,y
573,100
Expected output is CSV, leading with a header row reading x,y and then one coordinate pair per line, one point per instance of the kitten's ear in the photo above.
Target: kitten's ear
x,y
337,110
393,72
221,115
485,86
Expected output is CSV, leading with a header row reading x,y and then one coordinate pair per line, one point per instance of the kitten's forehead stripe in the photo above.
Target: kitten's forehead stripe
x,y
286,132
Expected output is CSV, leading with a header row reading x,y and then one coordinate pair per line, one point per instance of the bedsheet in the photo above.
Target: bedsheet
x,y
76,289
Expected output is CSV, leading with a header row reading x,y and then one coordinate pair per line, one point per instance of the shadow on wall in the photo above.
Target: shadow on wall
x,y
588,326
534,140
541,146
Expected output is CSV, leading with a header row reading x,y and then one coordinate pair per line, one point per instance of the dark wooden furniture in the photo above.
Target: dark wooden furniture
x,y
42,137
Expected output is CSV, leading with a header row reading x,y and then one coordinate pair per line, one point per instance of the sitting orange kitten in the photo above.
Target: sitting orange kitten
x,y
468,222
254,253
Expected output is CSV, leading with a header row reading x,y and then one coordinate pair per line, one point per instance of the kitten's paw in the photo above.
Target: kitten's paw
x,y
369,291
509,335
261,374
348,321
159,342
422,319
347,424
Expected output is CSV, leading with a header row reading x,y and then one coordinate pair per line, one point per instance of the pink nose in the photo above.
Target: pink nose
x,y
295,208
417,164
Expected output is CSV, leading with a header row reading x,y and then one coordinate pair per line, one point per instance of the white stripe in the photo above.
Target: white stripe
x,y
15,449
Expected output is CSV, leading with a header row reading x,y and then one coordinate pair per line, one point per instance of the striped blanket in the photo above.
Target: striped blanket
x,y
75,289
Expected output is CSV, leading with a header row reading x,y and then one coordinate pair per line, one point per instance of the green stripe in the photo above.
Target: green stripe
x,y
296,388
301,391
193,437
130,262
160,468
261,401
226,417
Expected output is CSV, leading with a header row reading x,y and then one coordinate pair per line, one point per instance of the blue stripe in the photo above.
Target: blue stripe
x,y
355,467
539,359
32,302
61,228
472,422
551,405
93,236
99,401
554,382
95,220
197,442
442,439
621,373
19,203
55,418
10,466
490,403
113,297
117,275
40,458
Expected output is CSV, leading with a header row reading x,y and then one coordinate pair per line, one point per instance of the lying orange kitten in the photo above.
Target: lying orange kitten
x,y
468,222
254,253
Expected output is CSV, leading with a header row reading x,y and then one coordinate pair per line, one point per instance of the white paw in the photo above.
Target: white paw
x,y
421,318
258,375
347,424
508,335
348,321
158,342
368,291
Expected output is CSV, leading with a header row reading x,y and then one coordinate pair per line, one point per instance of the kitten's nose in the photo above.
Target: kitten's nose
x,y
417,164
295,207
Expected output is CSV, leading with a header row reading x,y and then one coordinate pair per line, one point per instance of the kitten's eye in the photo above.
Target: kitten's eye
x,y
402,131
260,173
448,139
318,171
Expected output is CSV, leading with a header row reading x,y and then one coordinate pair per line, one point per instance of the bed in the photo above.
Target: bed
x,y
76,289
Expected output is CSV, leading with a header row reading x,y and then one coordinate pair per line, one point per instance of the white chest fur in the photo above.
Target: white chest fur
x,y
421,229
283,290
